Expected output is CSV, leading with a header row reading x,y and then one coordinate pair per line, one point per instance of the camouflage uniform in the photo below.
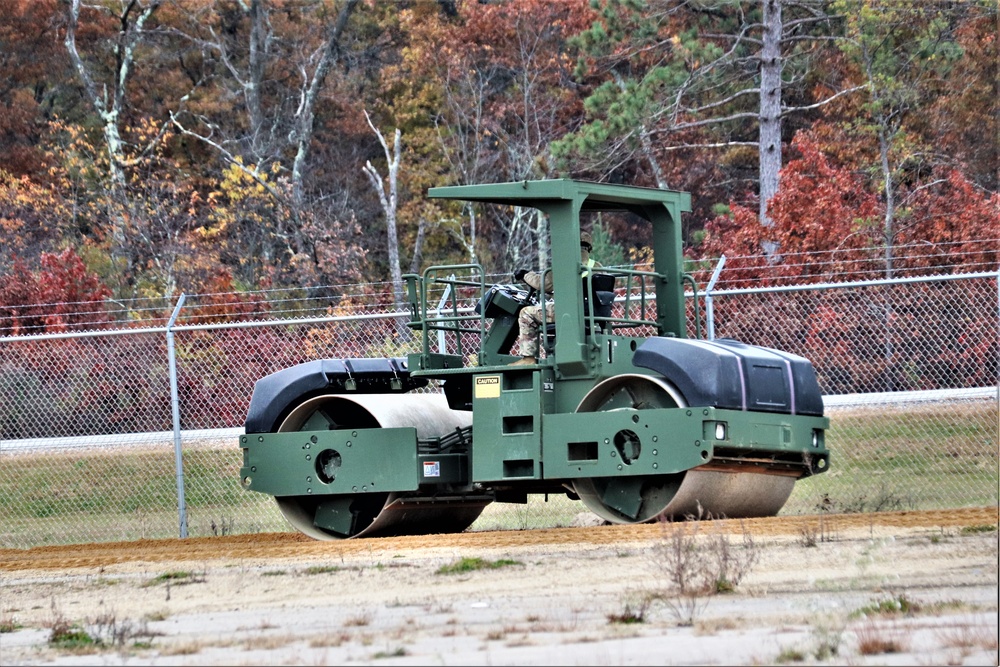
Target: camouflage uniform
x,y
530,318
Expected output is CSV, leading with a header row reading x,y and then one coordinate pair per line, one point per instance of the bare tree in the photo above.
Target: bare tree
x,y
275,125
110,106
389,202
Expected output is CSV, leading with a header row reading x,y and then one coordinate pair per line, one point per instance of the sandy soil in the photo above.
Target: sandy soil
x,y
820,590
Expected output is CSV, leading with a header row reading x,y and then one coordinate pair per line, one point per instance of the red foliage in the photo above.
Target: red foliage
x,y
222,302
63,293
74,294
952,218
19,296
821,208
828,223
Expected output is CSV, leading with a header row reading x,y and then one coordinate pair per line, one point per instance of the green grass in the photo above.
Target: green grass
x,y
538,512
464,565
897,606
63,498
881,459
911,457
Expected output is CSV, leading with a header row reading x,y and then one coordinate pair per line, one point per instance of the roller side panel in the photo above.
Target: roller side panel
x,y
299,463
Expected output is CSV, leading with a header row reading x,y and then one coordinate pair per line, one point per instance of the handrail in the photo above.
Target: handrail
x,y
448,323
635,279
687,277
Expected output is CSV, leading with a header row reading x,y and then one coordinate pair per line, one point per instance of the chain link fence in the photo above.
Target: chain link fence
x,y
93,446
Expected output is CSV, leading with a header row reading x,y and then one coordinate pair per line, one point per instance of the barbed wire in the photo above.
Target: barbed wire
x,y
834,265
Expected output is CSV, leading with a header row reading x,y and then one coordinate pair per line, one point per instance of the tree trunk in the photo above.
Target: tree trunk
x,y
305,116
769,151
259,38
389,203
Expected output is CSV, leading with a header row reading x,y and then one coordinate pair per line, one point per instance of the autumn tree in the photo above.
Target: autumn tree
x,y
62,293
673,79
905,53
109,97
829,224
33,71
495,81
828,221
965,117
276,58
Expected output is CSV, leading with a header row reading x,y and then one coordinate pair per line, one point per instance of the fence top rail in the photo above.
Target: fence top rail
x,y
164,439
898,397
203,327
855,284
405,313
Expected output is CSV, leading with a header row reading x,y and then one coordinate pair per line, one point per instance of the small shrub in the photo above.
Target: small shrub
x,y
398,652
826,640
358,620
8,623
696,569
876,640
223,528
899,605
969,636
790,654
634,610
71,637
176,578
975,530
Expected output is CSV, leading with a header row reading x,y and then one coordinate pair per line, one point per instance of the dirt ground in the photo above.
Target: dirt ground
x,y
906,588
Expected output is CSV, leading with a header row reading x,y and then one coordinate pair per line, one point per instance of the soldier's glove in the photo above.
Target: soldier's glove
x,y
519,275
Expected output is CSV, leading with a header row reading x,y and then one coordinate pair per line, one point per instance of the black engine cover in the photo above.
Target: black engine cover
x,y
726,373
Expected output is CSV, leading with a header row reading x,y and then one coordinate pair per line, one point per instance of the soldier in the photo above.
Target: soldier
x,y
530,317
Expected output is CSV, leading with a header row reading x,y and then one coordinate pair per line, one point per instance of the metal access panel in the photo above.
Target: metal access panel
x,y
626,442
507,412
348,461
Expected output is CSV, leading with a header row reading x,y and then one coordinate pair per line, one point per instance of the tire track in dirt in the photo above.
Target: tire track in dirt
x,y
295,545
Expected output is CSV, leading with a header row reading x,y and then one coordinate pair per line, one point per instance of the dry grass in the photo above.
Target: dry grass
x,y
969,637
357,621
714,626
327,640
876,639
268,642
184,648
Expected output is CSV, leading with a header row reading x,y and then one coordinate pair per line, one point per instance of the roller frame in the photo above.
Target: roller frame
x,y
628,424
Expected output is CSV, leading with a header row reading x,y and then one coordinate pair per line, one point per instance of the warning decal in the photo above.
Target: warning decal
x,y
487,386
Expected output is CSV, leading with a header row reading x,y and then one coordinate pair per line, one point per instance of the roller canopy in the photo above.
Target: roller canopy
x,y
725,373
592,196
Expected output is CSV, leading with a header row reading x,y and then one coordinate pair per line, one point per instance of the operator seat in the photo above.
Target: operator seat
x,y
599,290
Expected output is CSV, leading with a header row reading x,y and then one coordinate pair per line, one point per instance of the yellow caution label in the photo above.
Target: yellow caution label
x,y
487,386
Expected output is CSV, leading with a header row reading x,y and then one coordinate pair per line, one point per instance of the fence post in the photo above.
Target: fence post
x,y
709,307
176,415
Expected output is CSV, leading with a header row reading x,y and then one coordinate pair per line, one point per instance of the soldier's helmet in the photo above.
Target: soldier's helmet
x,y
586,241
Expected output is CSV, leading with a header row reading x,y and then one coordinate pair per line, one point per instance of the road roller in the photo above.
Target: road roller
x,y
627,408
